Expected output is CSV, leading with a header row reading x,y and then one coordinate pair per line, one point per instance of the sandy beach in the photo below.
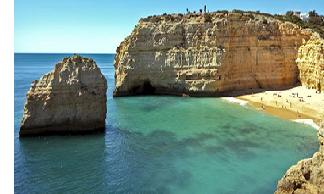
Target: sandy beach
x,y
298,103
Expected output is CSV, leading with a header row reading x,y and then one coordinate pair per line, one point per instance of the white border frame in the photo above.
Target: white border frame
x,y
7,95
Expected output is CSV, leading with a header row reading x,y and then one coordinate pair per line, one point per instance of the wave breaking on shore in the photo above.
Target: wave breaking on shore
x,y
235,100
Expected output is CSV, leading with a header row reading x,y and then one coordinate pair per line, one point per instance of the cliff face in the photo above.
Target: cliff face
x,y
307,176
208,54
71,98
311,63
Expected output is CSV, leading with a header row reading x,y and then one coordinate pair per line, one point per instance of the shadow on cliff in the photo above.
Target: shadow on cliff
x,y
148,90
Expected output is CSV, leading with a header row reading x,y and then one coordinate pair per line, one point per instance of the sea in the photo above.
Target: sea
x,y
157,144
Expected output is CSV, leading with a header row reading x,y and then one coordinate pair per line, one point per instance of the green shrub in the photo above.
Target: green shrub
x,y
207,17
222,11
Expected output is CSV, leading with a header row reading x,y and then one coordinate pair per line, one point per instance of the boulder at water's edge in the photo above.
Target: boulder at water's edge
x,y
307,176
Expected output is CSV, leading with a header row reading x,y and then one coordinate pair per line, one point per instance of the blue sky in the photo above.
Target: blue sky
x,y
98,26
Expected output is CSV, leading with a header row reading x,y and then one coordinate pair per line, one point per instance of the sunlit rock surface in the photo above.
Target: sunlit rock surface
x,y
311,63
208,54
307,176
69,99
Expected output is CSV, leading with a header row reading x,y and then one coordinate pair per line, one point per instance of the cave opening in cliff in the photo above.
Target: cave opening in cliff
x,y
143,88
147,87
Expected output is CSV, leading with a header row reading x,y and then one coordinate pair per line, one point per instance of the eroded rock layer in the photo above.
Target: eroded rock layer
x,y
311,63
208,54
307,176
69,99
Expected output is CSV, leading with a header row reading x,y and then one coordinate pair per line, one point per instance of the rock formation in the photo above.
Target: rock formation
x,y
307,176
208,54
69,99
311,63
213,54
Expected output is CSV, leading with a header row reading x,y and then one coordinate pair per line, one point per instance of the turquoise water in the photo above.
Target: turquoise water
x,y
157,145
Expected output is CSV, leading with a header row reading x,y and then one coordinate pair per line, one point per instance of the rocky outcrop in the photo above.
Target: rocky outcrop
x,y
208,54
311,63
307,176
69,99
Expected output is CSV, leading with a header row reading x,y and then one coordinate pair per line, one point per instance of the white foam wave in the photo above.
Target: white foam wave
x,y
235,100
309,122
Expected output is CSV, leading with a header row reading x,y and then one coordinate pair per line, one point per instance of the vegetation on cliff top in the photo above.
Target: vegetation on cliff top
x,y
314,20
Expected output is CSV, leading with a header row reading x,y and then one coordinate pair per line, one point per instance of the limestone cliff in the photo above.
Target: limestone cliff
x,y
208,54
311,63
69,99
307,176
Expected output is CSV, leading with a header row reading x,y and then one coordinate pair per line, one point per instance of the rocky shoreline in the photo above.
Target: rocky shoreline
x,y
307,176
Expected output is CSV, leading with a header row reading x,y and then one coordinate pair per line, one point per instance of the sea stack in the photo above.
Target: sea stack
x,y
71,99
210,54
307,176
